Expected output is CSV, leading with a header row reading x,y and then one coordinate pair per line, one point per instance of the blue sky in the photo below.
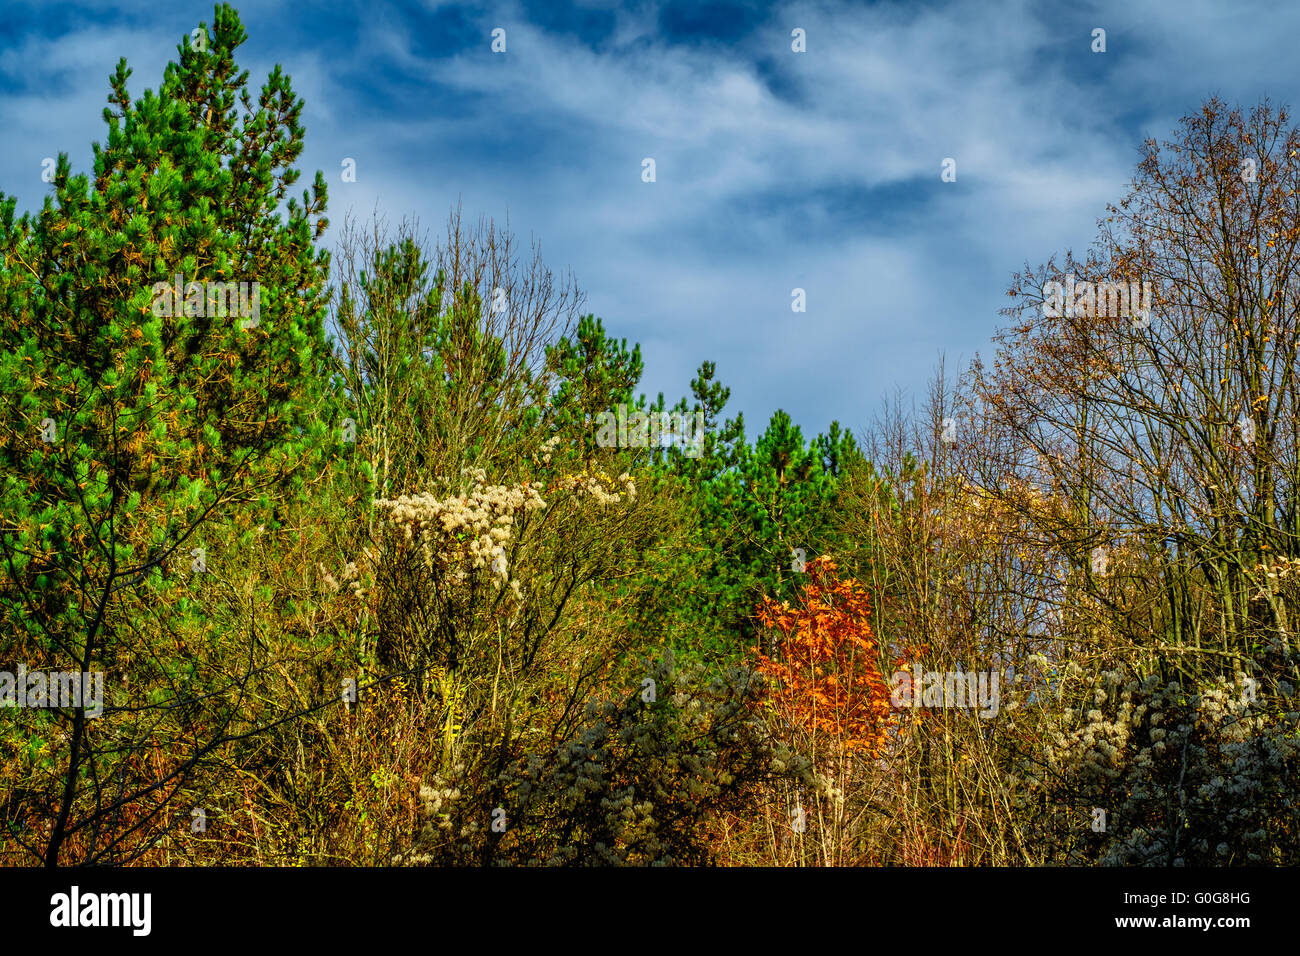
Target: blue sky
x,y
775,169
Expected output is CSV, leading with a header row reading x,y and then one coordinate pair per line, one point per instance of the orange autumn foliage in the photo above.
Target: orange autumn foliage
x,y
827,680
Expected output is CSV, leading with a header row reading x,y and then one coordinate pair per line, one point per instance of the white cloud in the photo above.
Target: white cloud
x,y
699,264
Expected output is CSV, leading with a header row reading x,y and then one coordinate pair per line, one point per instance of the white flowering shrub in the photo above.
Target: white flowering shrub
x,y
463,532
507,606
1187,775
437,558
593,485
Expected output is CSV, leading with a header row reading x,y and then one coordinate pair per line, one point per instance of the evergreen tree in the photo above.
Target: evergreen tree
x,y
135,418
596,374
766,511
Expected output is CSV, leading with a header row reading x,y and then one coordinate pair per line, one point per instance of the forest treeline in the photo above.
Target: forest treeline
x,y
365,588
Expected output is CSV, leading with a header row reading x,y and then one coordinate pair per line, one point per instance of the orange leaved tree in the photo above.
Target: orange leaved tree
x,y
828,692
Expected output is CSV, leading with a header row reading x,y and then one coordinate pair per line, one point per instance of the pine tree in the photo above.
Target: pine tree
x,y
596,373
766,513
134,419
